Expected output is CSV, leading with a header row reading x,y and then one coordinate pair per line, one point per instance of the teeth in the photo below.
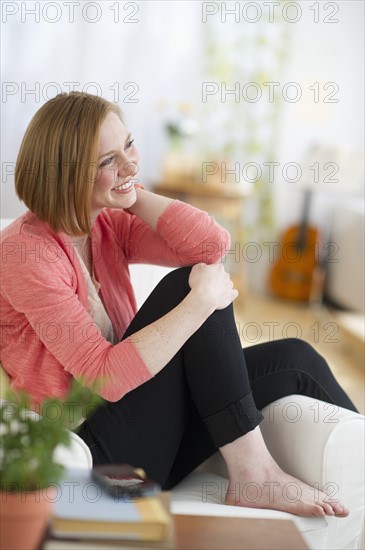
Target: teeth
x,y
123,187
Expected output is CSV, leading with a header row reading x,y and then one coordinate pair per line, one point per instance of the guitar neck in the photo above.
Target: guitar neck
x,y
302,234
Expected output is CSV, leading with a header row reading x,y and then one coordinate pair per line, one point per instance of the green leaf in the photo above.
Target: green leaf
x,y
27,443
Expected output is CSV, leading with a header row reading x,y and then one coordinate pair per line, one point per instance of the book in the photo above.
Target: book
x,y
84,509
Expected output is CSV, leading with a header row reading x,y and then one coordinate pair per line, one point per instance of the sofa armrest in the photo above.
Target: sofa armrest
x,y
301,432
78,455
323,445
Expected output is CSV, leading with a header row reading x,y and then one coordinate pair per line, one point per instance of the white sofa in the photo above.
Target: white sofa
x,y
308,440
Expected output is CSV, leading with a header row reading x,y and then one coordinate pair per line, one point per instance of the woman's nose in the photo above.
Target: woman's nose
x,y
128,168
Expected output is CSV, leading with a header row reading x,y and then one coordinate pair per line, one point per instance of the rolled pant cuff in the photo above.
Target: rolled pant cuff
x,y
233,421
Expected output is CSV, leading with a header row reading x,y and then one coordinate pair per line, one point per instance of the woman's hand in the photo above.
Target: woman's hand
x,y
212,285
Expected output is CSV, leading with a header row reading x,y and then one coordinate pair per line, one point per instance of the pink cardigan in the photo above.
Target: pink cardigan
x,y
47,334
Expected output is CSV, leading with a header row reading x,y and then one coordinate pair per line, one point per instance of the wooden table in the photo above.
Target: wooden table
x,y
218,533
207,533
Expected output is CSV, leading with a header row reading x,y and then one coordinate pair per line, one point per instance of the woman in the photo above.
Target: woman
x,y
176,382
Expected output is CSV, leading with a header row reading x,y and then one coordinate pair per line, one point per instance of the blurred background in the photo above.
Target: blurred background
x,y
252,111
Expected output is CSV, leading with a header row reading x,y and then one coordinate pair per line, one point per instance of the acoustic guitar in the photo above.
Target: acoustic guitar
x,y
295,270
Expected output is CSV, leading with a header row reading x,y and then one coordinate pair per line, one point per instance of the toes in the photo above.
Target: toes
x,y
337,508
340,510
317,510
334,509
329,511
344,514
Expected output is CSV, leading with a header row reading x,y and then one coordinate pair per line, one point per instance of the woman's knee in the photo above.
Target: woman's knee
x,y
176,280
302,355
173,287
181,274
166,295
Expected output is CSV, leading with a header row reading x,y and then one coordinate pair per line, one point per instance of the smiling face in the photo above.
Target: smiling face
x,y
117,164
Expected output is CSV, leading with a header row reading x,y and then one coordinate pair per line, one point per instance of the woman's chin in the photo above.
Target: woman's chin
x,y
130,199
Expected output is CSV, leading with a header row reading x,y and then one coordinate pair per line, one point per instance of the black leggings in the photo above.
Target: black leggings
x,y
208,395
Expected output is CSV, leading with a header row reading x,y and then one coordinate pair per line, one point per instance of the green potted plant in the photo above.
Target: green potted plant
x,y
29,473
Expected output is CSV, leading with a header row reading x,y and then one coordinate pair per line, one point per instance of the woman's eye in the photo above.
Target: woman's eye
x,y
107,161
130,143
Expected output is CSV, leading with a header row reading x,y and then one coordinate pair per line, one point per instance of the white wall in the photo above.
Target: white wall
x,y
137,58
325,53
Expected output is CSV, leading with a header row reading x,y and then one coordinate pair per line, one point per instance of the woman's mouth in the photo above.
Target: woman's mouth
x,y
124,188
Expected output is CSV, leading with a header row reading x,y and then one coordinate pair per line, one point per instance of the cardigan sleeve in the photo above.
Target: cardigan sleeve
x,y
43,288
185,235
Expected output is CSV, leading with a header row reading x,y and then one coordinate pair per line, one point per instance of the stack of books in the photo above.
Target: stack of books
x,y
85,510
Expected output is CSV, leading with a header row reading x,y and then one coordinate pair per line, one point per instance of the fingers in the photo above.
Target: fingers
x,y
214,283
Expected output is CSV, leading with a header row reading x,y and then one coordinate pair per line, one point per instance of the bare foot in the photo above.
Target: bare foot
x,y
272,488
257,481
